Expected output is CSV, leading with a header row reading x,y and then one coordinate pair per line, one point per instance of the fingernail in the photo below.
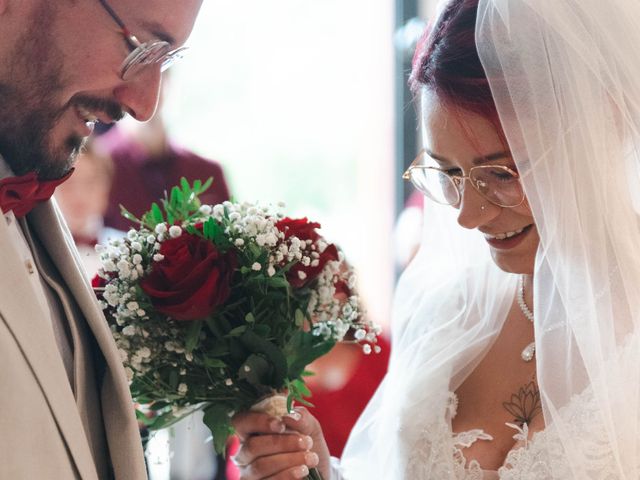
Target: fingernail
x,y
301,472
277,426
294,415
311,459
306,442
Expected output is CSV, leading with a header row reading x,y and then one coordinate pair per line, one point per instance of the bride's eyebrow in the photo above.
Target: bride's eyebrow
x,y
492,157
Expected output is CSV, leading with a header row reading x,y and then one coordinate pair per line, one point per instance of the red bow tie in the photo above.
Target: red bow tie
x,y
21,194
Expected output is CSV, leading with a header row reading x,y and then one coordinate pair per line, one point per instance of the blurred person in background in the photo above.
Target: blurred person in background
x,y
147,163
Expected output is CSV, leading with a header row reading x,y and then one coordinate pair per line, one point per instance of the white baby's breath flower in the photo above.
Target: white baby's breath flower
x,y
144,352
160,228
205,209
133,306
158,257
228,382
136,246
366,349
183,389
175,231
151,239
271,271
238,242
129,330
301,275
360,334
123,355
218,211
256,267
100,248
109,266
137,259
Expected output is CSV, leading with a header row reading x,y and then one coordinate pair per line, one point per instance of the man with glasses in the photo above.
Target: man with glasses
x,y
65,407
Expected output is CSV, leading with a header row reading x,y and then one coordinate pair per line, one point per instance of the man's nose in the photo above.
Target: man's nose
x,y
139,96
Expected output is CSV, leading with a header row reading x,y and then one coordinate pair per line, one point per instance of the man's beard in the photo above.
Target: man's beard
x,y
28,107
24,136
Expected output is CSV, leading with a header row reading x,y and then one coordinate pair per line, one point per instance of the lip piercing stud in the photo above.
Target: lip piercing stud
x,y
482,207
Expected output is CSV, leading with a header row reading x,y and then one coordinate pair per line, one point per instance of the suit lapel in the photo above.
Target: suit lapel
x,y
31,329
121,427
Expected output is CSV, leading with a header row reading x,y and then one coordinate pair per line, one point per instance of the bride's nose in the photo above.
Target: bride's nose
x,y
473,209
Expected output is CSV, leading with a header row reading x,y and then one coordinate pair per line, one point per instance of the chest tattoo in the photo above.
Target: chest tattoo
x,y
525,404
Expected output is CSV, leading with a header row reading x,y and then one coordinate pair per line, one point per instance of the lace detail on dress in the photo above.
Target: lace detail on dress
x,y
544,456
437,453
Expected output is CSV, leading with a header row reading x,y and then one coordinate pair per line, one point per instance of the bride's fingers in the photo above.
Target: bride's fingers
x,y
302,421
283,464
265,445
293,473
253,423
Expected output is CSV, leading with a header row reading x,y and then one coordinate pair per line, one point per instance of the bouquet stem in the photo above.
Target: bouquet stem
x,y
276,406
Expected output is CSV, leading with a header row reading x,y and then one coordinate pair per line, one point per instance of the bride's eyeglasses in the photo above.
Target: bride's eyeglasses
x,y
497,183
143,54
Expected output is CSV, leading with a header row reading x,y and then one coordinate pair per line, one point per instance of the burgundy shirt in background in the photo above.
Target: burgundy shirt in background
x,y
139,180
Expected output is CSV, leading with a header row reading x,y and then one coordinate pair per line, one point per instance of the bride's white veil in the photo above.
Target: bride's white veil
x,y
565,76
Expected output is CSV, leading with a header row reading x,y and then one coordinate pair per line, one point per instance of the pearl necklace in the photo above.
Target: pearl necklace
x,y
530,350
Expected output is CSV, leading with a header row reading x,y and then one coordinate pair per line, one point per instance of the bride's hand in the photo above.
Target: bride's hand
x,y
280,449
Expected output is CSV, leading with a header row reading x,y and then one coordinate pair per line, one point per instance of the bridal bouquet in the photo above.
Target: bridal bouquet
x,y
222,307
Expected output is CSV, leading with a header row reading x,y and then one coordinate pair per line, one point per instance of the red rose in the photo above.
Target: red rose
x,y
305,230
298,227
98,282
192,279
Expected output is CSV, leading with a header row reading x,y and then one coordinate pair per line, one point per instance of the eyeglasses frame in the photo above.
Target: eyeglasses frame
x,y
458,180
139,48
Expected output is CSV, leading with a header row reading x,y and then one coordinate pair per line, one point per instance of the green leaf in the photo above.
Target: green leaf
x,y
206,185
173,379
156,213
216,417
256,370
302,349
186,188
214,363
193,335
236,332
278,282
299,318
275,355
128,215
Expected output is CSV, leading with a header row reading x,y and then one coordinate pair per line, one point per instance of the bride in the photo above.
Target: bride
x,y
516,348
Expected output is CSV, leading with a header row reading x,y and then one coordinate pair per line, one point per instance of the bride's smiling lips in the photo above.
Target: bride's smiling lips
x,y
508,239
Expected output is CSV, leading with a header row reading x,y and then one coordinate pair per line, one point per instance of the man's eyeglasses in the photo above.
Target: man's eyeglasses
x,y
143,54
497,183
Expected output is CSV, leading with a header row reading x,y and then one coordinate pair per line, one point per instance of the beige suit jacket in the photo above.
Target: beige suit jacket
x,y
41,434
